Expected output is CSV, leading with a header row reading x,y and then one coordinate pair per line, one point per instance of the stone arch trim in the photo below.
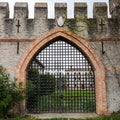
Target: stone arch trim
x,y
99,69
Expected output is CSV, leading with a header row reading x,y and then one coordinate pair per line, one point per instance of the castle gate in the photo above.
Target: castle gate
x,y
64,74
60,79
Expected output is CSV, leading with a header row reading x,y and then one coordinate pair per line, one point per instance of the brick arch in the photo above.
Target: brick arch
x,y
100,82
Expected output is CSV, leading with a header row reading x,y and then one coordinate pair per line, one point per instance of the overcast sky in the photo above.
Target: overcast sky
x,y
51,11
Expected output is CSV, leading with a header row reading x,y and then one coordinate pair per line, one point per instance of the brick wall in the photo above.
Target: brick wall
x,y
14,42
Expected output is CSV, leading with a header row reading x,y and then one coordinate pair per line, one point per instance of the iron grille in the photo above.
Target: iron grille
x,y
60,80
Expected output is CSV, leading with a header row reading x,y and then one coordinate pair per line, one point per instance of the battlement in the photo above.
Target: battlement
x,y
21,10
31,28
22,27
70,6
4,9
113,4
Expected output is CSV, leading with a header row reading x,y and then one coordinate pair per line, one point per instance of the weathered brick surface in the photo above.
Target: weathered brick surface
x,y
113,3
113,88
111,60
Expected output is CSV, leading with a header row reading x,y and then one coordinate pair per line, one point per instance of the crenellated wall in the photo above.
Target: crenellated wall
x,y
33,28
113,4
103,34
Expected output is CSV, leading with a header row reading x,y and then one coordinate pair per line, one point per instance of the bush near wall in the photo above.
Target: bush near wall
x,y
11,93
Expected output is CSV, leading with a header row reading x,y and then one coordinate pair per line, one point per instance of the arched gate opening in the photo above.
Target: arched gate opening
x,y
61,80
64,73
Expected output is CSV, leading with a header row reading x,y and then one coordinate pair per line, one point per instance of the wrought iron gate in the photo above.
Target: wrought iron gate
x,y
60,79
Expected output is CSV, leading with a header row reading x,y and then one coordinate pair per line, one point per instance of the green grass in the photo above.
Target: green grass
x,y
81,93
78,100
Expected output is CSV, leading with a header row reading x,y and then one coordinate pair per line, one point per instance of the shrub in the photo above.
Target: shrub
x,y
47,84
40,83
11,93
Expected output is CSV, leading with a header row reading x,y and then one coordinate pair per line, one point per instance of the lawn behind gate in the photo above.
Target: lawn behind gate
x,y
70,99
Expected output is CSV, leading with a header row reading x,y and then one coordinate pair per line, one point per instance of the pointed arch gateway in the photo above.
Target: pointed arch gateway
x,y
80,43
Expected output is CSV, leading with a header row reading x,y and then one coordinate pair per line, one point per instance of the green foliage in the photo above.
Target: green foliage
x,y
47,84
38,85
41,83
20,118
80,24
10,92
33,77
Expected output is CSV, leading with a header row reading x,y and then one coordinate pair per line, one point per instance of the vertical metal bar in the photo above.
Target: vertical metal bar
x,y
18,46
103,51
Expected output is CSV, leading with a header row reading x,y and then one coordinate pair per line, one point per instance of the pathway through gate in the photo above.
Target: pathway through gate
x,y
60,79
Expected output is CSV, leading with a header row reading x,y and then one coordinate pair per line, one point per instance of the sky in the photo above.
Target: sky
x,y
51,10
